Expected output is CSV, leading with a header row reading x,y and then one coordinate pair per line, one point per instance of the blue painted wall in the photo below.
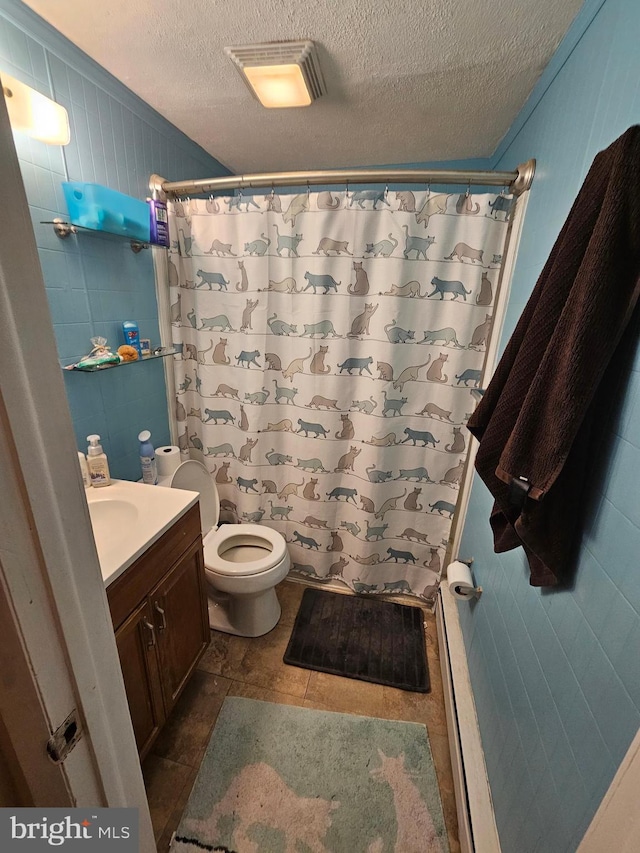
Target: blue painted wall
x,y
94,283
556,676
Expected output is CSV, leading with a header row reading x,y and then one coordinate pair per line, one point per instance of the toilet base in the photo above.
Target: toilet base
x,y
249,615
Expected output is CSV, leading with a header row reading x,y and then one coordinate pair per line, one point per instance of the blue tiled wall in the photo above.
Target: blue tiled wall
x,y
94,283
556,675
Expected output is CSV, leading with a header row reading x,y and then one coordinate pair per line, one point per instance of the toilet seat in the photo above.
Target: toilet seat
x,y
271,549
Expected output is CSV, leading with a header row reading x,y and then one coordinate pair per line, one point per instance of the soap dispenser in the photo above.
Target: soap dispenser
x,y
97,462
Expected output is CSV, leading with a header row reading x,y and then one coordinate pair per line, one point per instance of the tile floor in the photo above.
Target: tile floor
x,y
237,666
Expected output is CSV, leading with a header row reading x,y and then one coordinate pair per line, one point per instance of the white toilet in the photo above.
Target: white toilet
x,y
243,562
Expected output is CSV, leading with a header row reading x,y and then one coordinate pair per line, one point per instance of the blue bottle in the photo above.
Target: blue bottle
x,y
147,459
132,335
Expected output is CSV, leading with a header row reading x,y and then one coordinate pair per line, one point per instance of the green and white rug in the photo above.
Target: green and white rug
x,y
282,779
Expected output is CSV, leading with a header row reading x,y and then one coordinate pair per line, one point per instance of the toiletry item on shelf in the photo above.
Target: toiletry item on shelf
x,y
97,462
145,346
103,209
147,459
98,361
86,480
128,353
100,356
159,222
131,334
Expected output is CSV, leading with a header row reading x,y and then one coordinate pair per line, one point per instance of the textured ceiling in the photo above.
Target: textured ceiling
x,y
407,80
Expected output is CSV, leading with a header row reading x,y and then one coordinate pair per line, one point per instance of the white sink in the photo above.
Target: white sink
x,y
108,513
129,517
109,517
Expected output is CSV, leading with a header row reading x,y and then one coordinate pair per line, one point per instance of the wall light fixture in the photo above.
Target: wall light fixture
x,y
35,114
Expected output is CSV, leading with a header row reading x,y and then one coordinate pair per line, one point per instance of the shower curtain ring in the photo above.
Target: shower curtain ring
x,y
273,191
308,189
386,190
468,192
428,189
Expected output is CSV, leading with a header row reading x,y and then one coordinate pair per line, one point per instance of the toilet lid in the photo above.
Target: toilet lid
x,y
243,549
194,477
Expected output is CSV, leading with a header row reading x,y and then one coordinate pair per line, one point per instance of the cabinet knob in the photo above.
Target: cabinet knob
x,y
152,630
159,609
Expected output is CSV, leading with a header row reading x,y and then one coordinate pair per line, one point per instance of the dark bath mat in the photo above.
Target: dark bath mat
x,y
360,637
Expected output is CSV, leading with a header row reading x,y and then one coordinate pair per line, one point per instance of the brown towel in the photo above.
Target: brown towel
x,y
538,413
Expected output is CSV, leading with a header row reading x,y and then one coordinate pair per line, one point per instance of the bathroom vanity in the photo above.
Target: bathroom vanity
x,y
156,594
159,612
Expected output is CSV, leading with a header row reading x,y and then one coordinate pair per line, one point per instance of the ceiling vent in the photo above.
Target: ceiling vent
x,y
280,74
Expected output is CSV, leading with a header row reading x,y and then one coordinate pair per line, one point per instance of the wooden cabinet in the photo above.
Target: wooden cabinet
x,y
159,612
176,602
139,662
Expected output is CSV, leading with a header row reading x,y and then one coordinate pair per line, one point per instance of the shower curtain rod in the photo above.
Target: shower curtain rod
x,y
517,181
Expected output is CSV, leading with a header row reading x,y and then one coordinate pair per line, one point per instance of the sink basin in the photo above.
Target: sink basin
x,y
128,517
109,513
108,517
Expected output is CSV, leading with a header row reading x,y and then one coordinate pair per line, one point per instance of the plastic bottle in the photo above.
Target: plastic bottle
x,y
86,480
132,335
97,462
148,459
159,222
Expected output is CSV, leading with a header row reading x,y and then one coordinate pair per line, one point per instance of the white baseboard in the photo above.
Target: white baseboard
x,y
476,820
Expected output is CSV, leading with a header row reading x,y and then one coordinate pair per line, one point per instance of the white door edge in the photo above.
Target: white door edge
x,y
53,581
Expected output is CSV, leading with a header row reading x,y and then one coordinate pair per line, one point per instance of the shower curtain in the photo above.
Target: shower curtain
x,y
330,348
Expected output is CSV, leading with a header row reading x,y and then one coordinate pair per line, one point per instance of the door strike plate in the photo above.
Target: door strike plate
x,y
64,738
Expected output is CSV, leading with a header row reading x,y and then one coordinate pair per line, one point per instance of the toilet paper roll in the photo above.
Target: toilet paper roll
x,y
167,460
460,581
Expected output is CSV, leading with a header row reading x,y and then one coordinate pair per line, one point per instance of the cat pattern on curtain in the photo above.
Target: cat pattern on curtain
x,y
330,345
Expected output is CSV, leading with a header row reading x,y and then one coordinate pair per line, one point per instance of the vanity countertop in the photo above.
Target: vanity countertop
x,y
128,517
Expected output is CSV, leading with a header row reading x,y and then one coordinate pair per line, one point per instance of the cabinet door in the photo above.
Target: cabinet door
x,y
137,642
179,605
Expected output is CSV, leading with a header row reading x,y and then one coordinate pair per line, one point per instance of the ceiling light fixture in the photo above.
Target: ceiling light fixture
x,y
35,114
280,74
